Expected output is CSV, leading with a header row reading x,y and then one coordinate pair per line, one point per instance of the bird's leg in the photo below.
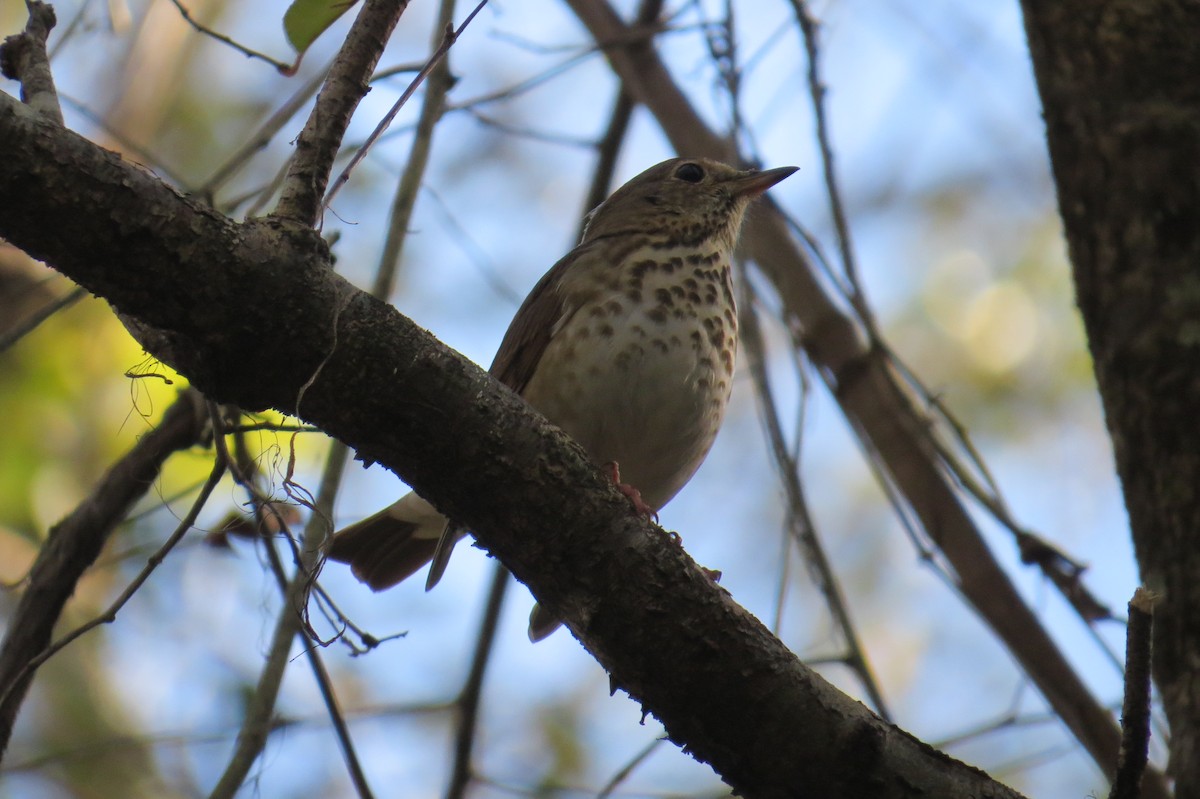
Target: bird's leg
x,y
635,496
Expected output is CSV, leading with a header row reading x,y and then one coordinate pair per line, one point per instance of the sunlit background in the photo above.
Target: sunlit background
x,y
939,147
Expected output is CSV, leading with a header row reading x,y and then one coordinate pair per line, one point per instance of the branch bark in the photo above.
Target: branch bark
x,y
252,314
1118,86
346,85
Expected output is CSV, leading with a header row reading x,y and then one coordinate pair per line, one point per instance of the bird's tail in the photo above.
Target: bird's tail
x,y
389,546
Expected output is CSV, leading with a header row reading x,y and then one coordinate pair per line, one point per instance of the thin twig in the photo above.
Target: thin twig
x,y
624,772
263,135
816,89
1135,712
462,238
346,85
405,198
468,701
74,544
257,723
609,146
284,68
448,40
530,133
28,325
1063,571
128,147
578,54
799,520
314,535
110,615
528,84
23,58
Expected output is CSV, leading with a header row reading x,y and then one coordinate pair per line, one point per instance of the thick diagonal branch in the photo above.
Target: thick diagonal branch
x,y
253,315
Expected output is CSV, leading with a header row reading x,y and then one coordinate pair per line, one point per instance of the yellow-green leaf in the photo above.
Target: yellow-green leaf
x,y
305,20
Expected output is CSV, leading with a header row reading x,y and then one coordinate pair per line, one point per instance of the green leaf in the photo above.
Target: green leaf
x,y
305,20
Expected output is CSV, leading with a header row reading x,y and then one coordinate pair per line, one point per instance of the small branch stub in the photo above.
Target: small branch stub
x,y
23,58
1135,712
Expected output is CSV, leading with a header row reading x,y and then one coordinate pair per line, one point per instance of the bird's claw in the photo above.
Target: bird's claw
x,y
635,496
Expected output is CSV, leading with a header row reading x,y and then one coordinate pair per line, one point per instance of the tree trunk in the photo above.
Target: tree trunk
x,y
1120,91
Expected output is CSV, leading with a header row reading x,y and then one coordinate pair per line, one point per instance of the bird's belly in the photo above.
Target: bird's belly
x,y
650,397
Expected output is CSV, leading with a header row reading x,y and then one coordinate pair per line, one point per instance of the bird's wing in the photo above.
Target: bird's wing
x,y
544,311
549,305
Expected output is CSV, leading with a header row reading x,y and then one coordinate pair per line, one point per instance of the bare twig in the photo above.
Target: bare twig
x,y
627,769
28,325
74,544
531,133
262,137
528,84
23,57
467,703
609,146
462,238
110,614
346,85
799,520
816,89
257,724
405,198
314,534
1135,712
448,39
130,148
285,68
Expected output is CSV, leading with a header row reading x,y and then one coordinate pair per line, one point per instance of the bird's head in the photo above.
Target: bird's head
x,y
686,200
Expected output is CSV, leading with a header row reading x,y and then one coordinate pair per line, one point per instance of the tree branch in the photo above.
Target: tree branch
x,y
252,314
1135,710
346,85
75,543
23,57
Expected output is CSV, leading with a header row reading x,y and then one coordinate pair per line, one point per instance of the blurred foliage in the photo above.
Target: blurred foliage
x,y
77,413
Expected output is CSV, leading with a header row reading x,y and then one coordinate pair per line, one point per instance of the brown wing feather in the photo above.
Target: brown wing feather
x,y
529,332
381,549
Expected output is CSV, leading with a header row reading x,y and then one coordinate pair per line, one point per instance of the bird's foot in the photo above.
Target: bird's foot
x,y
635,496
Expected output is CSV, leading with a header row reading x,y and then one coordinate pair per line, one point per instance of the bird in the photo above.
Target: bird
x,y
627,343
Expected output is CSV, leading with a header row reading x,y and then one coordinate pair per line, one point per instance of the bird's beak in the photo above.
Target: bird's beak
x,y
752,184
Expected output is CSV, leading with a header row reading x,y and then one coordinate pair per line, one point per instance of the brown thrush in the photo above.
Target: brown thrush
x,y
627,344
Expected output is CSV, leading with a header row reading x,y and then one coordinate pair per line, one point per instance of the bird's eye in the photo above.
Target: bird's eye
x,y
692,173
